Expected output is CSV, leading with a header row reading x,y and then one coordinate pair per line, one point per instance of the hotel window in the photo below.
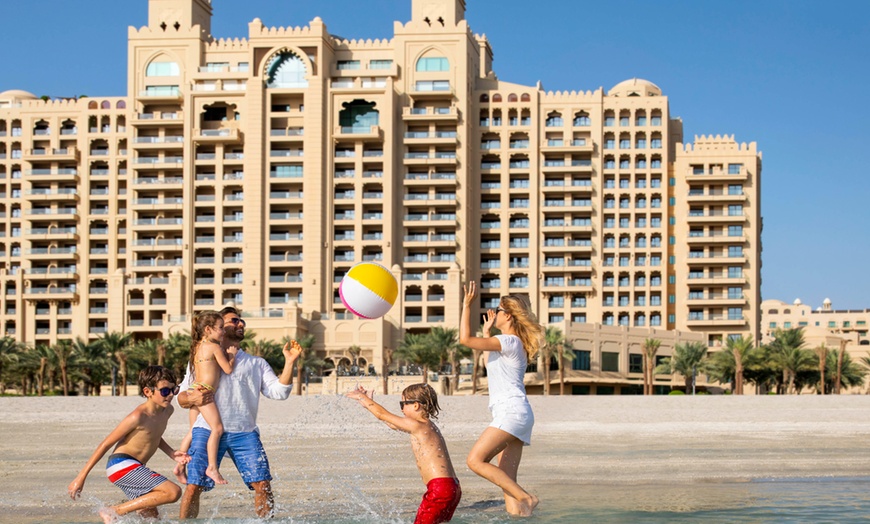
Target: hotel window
x,y
656,121
162,69
735,210
735,313
433,85
609,360
345,65
640,121
623,121
286,70
655,182
734,169
609,144
735,189
380,64
656,163
735,231
655,320
656,143
624,163
429,64
609,121
624,143
582,120
656,280
582,360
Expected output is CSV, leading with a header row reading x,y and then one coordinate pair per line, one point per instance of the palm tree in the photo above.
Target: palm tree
x,y
821,351
788,353
446,342
92,362
650,348
557,348
44,355
851,374
388,360
740,348
177,352
416,348
355,351
687,358
63,351
10,352
841,356
117,345
307,360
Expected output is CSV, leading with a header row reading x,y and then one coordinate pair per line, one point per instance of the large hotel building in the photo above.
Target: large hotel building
x,y
257,171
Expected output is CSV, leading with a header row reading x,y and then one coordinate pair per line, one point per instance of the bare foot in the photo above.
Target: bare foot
x,y
524,507
180,472
108,515
215,475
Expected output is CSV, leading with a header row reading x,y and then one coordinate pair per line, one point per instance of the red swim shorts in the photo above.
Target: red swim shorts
x,y
440,501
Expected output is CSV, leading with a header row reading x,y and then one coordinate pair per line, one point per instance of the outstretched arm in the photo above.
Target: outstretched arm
x,y
127,425
393,421
465,337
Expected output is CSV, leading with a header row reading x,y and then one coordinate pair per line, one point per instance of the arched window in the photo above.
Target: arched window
x,y
484,98
496,97
358,115
121,105
92,105
433,64
105,105
162,67
525,97
286,70
512,97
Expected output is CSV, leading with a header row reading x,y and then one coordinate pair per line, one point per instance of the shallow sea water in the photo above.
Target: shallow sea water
x,y
816,500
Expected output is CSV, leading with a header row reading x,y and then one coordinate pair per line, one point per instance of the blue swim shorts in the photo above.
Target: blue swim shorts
x,y
246,452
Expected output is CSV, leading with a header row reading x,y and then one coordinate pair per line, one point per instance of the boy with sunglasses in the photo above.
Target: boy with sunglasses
x,y
419,403
138,437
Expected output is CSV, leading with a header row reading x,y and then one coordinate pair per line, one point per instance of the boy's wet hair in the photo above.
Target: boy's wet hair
x,y
426,396
150,376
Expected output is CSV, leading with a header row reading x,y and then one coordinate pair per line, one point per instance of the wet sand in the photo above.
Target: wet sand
x,y
331,458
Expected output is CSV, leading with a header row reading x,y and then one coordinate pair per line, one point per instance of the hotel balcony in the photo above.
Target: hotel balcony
x,y
359,132
51,233
157,204
50,293
438,158
158,119
164,183
161,94
715,320
52,273
718,259
567,146
424,179
52,195
562,166
425,137
51,154
213,136
168,162
715,218
699,197
714,300
720,238
158,142
718,175
447,114
52,253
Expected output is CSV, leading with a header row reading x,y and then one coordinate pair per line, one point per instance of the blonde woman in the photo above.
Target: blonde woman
x,y
506,356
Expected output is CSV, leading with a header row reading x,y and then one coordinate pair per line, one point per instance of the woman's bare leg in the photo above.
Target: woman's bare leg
x,y
494,442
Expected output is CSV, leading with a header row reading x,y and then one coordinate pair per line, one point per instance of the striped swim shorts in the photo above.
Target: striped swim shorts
x,y
132,476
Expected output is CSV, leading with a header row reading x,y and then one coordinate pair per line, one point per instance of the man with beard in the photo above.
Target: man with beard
x,y
237,400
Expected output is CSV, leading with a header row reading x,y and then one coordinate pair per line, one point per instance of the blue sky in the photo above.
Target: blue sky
x,y
790,75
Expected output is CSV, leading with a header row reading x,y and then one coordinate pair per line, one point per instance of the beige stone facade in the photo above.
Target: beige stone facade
x,y
257,171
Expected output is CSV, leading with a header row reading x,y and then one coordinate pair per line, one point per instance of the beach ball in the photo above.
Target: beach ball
x,y
368,290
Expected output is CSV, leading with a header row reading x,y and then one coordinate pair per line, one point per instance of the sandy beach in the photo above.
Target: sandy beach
x,y
329,457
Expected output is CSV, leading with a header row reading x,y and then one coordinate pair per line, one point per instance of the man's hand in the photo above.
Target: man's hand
x,y
292,350
195,397
181,457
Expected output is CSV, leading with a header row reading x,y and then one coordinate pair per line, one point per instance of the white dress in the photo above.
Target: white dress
x,y
508,403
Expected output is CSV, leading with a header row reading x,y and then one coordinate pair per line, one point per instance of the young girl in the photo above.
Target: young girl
x,y
207,360
512,419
